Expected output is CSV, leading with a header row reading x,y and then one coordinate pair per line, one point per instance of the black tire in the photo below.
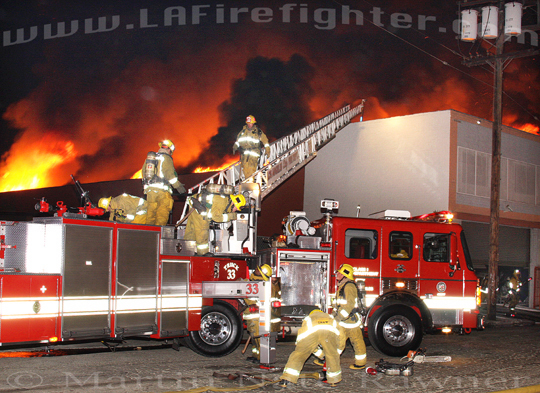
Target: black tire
x,y
395,330
220,334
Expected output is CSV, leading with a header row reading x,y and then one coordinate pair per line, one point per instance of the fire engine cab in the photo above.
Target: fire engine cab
x,y
415,273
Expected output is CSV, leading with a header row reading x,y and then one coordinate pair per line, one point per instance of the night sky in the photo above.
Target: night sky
x,y
89,88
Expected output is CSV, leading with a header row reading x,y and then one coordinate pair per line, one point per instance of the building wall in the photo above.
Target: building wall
x,y
520,169
436,161
380,164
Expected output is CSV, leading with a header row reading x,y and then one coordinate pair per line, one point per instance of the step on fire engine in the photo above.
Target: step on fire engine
x,y
69,277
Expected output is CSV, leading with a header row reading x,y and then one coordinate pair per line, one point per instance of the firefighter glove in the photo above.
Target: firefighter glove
x,y
197,205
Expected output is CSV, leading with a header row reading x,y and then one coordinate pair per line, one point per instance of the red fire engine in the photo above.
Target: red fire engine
x,y
69,278
415,273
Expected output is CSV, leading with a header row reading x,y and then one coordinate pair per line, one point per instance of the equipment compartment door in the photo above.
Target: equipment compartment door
x,y
29,307
304,282
136,282
174,296
86,281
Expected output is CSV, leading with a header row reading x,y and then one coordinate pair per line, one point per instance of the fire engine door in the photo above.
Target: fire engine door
x,y
441,285
360,246
136,281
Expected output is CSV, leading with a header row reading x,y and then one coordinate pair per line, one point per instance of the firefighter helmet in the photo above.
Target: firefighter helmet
x,y
264,271
104,203
239,201
251,119
346,270
167,143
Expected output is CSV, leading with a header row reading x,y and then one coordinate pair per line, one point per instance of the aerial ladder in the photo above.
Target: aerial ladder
x,y
287,156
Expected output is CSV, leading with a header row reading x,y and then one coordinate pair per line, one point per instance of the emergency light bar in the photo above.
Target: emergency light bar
x,y
329,204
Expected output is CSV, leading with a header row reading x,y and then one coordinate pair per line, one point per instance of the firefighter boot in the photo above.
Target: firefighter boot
x,y
319,362
283,383
357,367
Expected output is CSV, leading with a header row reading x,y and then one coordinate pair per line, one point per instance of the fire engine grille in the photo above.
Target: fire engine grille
x,y
389,284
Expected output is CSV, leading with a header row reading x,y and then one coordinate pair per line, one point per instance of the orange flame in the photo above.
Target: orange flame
x,y
31,163
209,169
530,128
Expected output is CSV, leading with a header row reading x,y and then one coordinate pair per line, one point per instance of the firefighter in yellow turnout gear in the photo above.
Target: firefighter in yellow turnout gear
x,y
125,208
318,329
347,312
217,206
159,178
251,313
251,142
514,286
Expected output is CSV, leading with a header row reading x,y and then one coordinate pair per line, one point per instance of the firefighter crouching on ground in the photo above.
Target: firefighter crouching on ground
x,y
125,208
318,329
251,313
251,141
159,178
346,310
215,203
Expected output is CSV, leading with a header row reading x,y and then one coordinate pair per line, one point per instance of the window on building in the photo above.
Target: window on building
x,y
361,243
401,245
437,247
474,172
521,182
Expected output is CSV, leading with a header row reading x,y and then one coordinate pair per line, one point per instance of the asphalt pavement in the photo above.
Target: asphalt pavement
x,y
501,357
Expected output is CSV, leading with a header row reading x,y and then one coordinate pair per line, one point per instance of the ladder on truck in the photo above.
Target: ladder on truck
x,y
287,155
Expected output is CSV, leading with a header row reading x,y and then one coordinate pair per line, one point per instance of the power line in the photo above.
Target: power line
x,y
444,62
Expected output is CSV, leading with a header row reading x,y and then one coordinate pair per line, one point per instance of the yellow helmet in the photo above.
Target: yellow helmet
x,y
314,311
264,271
167,143
239,201
347,270
251,119
104,202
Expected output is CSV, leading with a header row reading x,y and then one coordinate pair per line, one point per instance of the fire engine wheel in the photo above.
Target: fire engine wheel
x,y
220,334
395,330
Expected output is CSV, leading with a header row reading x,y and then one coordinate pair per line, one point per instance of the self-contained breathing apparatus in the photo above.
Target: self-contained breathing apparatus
x,y
150,167
360,309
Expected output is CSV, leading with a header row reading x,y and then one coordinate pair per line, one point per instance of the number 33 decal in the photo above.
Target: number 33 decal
x,y
252,289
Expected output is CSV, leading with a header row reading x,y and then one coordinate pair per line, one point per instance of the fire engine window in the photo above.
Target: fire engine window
x,y
401,245
361,244
437,247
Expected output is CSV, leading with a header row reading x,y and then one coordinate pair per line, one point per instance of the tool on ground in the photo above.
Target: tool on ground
x,y
420,357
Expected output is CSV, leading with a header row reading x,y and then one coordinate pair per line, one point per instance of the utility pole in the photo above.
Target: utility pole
x,y
493,272
497,62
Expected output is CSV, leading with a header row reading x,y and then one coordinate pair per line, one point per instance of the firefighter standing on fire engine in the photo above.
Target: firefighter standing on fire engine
x,y
251,313
159,178
346,310
251,141
125,208
318,330
217,206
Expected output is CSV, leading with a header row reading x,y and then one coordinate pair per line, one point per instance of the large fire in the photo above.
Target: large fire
x,y
99,121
